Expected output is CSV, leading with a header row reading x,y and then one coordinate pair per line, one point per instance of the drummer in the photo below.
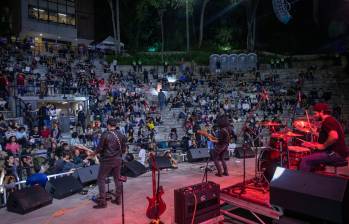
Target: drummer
x,y
330,148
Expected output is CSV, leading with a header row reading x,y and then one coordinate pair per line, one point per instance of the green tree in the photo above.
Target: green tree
x,y
161,7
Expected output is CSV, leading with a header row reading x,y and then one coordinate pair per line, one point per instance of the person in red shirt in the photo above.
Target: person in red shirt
x,y
20,83
45,132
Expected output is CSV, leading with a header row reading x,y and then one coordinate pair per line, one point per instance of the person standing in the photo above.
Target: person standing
x,y
162,99
221,145
330,148
111,146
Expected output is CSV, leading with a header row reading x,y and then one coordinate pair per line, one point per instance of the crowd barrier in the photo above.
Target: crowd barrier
x,y
19,183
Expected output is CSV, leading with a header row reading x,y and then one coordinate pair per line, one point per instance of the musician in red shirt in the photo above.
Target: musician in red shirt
x,y
330,148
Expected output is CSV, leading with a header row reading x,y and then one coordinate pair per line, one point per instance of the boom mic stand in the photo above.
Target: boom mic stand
x,y
242,186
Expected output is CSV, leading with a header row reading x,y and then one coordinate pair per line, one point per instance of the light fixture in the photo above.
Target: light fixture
x,y
40,10
61,14
40,34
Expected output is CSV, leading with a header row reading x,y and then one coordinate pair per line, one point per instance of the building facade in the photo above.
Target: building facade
x,y
57,21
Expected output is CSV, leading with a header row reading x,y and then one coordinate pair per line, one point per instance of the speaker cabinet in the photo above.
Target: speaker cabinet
x,y
195,155
161,163
28,199
62,187
133,169
87,175
319,196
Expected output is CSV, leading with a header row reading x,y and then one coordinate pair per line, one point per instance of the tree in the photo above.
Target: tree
x,y
118,24
251,11
161,7
202,16
113,19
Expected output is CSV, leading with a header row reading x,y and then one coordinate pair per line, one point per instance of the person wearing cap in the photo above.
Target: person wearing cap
x,y
330,148
111,146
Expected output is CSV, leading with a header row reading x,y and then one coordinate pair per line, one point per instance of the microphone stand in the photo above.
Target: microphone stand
x,y
121,180
242,186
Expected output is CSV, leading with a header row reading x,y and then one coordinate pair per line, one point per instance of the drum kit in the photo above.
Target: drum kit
x,y
285,147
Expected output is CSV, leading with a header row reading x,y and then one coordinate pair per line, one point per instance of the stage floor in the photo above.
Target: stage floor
x,y
77,209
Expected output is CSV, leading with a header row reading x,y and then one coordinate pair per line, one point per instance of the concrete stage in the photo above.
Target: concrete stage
x,y
77,209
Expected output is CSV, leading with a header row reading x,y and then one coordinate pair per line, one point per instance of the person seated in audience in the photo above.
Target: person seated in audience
x,y
56,132
64,164
12,146
21,136
35,134
74,139
169,156
158,120
38,178
45,132
77,157
11,167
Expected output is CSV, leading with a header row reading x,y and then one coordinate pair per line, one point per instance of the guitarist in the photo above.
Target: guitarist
x,y
222,140
110,148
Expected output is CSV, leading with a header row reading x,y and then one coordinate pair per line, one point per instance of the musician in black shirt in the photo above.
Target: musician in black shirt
x,y
331,146
110,148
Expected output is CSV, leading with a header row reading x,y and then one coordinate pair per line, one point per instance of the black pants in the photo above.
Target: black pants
x,y
113,167
218,156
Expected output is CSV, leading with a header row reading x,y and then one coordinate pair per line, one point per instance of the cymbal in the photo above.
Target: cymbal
x,y
286,134
269,123
303,126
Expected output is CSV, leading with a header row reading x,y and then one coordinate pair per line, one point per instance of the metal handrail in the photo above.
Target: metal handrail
x,y
54,176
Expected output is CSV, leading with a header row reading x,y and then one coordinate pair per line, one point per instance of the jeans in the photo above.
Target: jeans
x,y
312,161
113,167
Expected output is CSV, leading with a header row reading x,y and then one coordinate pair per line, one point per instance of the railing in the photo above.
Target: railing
x,y
19,183
48,90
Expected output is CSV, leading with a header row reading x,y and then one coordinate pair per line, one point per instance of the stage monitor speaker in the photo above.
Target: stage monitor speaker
x,y
133,169
200,154
28,199
161,163
319,196
87,175
62,187
239,152
207,205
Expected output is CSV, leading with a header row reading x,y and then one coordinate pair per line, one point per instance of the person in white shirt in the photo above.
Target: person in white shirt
x,y
142,155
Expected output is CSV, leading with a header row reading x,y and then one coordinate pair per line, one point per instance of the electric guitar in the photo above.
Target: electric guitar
x,y
207,135
156,206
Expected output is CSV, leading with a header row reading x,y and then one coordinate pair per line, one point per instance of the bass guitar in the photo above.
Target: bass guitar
x,y
156,206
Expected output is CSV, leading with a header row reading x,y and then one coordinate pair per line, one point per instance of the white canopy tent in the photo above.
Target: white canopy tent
x,y
109,44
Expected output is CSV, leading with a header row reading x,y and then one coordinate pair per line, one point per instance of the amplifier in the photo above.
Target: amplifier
x,y
207,204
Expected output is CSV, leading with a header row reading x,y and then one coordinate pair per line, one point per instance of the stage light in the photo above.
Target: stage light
x,y
61,14
40,34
